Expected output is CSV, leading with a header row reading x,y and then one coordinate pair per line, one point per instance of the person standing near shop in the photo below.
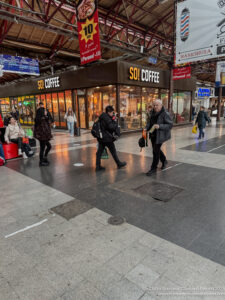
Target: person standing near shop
x,y
160,125
148,114
42,132
201,120
109,127
71,119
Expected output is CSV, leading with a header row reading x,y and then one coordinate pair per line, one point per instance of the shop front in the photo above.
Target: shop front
x,y
130,88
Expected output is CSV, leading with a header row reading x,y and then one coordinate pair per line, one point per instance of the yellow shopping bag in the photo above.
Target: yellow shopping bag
x,y
195,129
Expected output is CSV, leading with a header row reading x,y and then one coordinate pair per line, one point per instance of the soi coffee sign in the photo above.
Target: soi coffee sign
x,y
181,73
88,31
48,83
144,75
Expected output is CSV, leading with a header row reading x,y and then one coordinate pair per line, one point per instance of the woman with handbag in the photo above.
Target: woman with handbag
x,y
42,132
71,119
15,134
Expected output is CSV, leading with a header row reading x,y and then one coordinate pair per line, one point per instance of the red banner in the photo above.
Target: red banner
x,y
182,73
88,31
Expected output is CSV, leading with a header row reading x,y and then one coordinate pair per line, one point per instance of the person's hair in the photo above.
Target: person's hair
x,y
41,103
11,119
109,108
203,107
158,100
70,111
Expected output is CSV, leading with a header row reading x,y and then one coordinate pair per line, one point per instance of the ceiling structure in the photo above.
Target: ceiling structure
x,y
130,30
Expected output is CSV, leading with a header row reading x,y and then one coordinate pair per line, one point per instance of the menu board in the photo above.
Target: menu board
x,y
19,65
88,31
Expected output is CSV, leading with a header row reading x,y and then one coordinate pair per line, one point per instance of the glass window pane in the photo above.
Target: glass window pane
x,y
183,107
5,106
62,109
55,109
165,98
148,96
68,95
49,102
130,107
81,103
43,99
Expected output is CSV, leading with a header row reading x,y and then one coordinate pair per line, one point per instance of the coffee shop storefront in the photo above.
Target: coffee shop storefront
x,y
128,87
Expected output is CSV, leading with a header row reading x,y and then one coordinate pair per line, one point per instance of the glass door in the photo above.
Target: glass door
x,y
82,118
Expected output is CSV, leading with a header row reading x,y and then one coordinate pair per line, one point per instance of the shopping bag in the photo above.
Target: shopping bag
x,y
195,129
105,154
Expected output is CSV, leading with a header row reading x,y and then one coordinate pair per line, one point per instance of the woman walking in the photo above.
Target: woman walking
x,y
201,120
42,132
71,119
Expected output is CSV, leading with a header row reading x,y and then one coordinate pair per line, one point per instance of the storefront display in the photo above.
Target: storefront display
x,y
130,88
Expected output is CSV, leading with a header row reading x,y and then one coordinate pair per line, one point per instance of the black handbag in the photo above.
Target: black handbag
x,y
32,142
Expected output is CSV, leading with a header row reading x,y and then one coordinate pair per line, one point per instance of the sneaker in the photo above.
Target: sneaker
x,y
164,164
43,163
19,152
46,160
151,172
24,155
99,168
121,165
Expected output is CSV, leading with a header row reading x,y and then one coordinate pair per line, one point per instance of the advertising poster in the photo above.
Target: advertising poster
x,y
19,65
200,30
88,31
181,73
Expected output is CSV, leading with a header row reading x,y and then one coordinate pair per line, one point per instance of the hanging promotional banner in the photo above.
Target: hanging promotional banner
x,y
19,65
181,73
88,31
200,30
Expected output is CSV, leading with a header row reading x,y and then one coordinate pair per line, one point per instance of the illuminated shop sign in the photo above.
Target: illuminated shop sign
x,y
143,75
48,83
204,92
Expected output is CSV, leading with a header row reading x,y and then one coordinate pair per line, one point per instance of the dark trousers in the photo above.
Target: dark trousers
x,y
112,149
45,147
157,154
201,132
18,141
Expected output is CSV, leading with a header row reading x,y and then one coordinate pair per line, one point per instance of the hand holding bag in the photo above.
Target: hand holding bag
x,y
195,129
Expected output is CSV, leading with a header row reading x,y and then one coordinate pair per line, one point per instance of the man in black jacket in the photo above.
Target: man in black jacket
x,y
109,127
160,125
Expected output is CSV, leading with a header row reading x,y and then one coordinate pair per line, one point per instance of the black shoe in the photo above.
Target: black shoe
x,y
151,172
99,168
43,163
164,164
121,165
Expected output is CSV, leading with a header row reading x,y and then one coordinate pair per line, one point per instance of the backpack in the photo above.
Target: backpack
x,y
96,130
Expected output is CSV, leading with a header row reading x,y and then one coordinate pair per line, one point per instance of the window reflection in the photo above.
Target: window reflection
x,y
148,96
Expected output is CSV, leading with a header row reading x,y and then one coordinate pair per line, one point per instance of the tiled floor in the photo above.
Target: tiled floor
x,y
164,250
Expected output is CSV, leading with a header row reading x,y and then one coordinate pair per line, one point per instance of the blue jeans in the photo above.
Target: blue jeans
x,y
201,132
70,126
2,151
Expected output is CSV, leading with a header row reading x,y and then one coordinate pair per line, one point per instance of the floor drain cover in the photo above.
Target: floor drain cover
x,y
116,220
158,191
71,209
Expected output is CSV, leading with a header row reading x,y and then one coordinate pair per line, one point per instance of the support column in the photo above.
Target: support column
x,y
220,98
170,100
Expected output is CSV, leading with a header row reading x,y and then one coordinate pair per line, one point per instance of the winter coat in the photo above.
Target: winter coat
x,y
165,123
108,127
13,132
42,128
70,118
202,118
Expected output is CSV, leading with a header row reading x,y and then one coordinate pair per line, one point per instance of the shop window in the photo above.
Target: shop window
x,y
68,97
130,107
165,98
42,99
181,107
37,100
62,109
148,96
98,99
49,102
55,109
5,106
26,107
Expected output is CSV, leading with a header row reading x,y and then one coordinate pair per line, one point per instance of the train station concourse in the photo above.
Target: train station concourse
x,y
112,150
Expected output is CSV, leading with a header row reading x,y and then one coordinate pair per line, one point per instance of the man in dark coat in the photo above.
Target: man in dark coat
x,y
201,120
109,127
160,125
42,132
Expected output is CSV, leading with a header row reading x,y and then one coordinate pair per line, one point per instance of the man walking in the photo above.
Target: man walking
x,y
160,124
108,126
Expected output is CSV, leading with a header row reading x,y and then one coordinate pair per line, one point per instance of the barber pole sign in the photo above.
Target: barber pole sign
x,y
88,31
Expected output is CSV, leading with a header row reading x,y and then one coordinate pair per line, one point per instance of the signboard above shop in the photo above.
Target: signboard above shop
x,y
19,65
200,30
